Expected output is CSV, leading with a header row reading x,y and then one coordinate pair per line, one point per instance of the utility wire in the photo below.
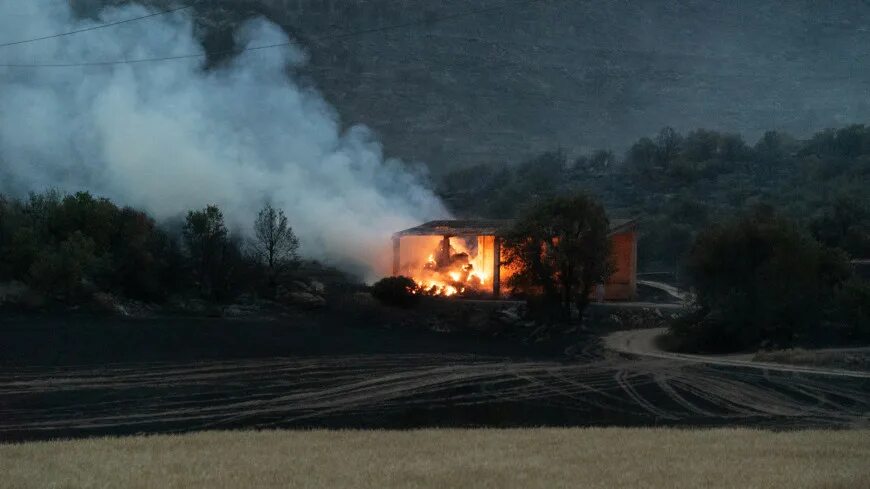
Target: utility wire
x,y
95,27
342,35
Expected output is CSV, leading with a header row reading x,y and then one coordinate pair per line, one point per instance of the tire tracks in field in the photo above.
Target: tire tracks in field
x,y
287,391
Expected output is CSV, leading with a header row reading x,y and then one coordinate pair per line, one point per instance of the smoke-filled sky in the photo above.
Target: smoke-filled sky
x,y
169,136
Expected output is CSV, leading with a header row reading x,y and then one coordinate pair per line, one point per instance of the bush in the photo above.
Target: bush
x,y
760,281
396,291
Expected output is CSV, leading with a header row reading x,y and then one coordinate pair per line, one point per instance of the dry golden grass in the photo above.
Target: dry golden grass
x,y
533,458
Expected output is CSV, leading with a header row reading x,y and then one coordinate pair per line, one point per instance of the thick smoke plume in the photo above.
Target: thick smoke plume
x,y
170,136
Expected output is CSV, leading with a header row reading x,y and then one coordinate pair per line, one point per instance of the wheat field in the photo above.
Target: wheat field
x,y
485,458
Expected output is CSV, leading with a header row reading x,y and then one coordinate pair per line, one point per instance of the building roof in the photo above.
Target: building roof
x,y
460,227
486,227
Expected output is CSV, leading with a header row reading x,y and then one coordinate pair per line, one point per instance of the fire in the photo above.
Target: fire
x,y
453,266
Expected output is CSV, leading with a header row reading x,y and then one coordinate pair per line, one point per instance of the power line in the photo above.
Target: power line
x,y
342,35
95,27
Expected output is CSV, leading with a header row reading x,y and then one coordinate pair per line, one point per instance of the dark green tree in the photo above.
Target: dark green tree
x,y
771,151
845,225
643,157
65,269
669,144
558,251
205,237
760,280
541,176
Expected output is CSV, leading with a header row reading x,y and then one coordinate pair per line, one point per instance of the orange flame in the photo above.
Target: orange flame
x,y
464,268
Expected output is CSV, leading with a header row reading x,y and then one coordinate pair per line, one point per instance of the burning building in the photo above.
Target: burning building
x,y
458,257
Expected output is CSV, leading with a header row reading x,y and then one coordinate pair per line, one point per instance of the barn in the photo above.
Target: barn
x,y
419,251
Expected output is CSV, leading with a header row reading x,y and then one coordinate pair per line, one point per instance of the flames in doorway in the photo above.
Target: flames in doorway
x,y
449,266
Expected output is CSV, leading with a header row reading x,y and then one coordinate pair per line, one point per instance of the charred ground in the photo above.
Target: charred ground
x,y
75,376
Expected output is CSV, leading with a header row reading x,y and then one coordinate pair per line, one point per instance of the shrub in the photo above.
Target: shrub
x,y
396,291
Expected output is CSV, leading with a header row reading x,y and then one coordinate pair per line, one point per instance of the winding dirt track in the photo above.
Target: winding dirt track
x,y
394,390
643,342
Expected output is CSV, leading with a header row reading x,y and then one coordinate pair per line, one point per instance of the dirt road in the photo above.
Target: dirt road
x,y
643,342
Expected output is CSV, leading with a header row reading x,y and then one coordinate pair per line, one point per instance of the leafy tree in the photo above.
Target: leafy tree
x,y
701,145
21,251
844,225
643,157
772,150
275,245
664,242
63,270
205,237
541,175
558,250
732,148
143,257
760,280
669,145
849,142
93,217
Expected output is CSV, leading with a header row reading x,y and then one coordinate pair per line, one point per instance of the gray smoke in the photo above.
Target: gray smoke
x,y
169,136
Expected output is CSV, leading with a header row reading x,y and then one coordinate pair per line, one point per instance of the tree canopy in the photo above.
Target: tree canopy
x,y
760,280
558,250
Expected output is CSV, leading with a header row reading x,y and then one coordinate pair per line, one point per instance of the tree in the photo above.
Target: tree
x,y
559,250
275,245
669,144
542,174
205,237
845,225
64,269
141,256
598,162
643,156
760,281
701,146
732,148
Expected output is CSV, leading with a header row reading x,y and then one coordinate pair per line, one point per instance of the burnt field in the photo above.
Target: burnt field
x,y
82,376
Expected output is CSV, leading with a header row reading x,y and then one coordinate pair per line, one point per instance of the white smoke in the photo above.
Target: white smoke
x,y
168,136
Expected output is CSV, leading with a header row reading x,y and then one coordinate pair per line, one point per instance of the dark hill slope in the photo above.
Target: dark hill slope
x,y
580,74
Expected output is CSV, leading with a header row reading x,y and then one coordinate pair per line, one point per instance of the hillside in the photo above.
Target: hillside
x,y
503,85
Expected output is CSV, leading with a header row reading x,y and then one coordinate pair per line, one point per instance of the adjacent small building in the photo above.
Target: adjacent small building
x,y
484,236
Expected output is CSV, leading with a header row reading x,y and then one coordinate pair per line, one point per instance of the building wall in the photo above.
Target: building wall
x,y
623,283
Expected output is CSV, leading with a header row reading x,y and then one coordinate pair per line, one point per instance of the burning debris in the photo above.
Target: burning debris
x,y
451,258
449,270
